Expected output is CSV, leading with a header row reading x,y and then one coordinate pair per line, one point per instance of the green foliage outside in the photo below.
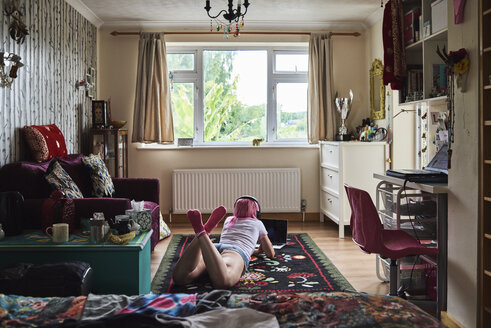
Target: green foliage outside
x,y
225,117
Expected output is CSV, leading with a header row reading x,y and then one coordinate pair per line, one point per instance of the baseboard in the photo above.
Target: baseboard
x,y
309,217
449,321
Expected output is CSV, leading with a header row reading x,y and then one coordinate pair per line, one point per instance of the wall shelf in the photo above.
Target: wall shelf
x,y
438,36
414,45
433,101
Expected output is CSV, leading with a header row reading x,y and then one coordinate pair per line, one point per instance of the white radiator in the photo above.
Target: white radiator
x,y
276,189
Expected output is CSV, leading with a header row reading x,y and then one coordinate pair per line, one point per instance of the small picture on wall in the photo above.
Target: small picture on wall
x,y
90,91
99,113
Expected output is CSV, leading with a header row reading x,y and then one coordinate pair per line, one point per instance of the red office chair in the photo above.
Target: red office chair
x,y
369,234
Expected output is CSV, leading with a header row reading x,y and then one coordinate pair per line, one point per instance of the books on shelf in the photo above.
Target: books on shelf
x,y
412,86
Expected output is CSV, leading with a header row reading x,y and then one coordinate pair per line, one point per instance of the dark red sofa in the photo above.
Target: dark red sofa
x,y
28,179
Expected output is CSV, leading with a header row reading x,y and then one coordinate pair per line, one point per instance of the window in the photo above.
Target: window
x,y
229,96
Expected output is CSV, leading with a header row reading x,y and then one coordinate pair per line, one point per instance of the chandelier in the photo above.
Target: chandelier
x,y
234,18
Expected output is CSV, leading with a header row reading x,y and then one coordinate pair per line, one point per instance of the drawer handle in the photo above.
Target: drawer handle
x,y
329,200
330,151
330,175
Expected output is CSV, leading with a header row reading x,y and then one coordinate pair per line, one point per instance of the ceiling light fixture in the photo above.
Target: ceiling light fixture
x,y
232,16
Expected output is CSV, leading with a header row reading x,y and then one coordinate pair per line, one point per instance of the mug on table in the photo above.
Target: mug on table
x,y
59,232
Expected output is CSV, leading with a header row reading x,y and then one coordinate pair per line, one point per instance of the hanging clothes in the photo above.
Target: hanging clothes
x,y
393,42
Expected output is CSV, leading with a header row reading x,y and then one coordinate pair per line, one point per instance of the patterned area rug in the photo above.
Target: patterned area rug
x,y
300,266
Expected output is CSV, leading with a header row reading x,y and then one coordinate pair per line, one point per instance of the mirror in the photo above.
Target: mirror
x,y
377,91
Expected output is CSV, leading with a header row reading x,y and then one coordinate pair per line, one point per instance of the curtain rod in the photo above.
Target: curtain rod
x,y
116,33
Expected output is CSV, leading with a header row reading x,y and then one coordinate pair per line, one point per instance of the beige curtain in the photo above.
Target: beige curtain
x,y
321,115
152,117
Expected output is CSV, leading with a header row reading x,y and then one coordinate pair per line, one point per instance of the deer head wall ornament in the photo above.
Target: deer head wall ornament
x,y
17,29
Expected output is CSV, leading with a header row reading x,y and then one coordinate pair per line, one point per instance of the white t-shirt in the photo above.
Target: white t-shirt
x,y
244,234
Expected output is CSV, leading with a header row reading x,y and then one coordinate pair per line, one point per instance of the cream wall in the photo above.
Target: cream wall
x,y
463,199
117,80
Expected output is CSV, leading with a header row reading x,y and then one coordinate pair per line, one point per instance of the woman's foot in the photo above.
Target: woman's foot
x,y
216,216
194,216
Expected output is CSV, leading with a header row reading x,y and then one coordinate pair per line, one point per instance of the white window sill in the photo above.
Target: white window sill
x,y
240,146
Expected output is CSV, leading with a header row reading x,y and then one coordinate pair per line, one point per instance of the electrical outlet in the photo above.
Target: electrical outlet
x,y
303,205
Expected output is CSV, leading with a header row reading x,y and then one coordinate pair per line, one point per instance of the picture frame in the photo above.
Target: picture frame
x,y
99,114
90,91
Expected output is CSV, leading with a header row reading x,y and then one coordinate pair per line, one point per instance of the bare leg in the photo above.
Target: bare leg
x,y
190,266
224,269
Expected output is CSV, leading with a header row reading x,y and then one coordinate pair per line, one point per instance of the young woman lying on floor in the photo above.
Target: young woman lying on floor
x,y
227,260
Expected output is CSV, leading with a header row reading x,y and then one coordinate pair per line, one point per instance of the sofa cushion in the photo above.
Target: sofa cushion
x,y
26,178
59,179
79,173
45,142
102,184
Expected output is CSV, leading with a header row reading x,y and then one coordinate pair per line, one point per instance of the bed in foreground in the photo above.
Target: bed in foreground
x,y
215,309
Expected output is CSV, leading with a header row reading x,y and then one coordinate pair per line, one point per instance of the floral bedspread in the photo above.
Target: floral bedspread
x,y
337,309
20,311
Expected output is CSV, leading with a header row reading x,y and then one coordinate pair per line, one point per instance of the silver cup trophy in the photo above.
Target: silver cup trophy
x,y
343,106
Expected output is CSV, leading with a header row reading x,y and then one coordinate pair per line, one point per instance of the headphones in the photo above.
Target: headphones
x,y
258,212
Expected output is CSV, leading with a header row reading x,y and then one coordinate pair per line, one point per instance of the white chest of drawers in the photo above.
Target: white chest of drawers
x,y
351,163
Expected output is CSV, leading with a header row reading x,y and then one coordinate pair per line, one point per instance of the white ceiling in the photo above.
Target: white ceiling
x,y
285,15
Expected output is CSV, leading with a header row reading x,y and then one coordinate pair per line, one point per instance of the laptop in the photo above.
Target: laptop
x,y
435,172
277,231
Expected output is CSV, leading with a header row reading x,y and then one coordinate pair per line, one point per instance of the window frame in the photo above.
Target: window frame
x,y
273,78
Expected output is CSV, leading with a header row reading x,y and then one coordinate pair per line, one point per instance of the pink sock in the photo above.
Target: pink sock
x,y
215,217
194,216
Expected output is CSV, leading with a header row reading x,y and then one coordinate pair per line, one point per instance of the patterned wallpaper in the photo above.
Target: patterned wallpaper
x,y
61,45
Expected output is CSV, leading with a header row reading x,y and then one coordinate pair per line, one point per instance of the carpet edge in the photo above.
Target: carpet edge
x,y
165,264
326,261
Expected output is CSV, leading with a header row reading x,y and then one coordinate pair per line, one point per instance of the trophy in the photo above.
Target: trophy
x,y
343,105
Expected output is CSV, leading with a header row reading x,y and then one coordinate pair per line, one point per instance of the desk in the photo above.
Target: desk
x,y
441,191
117,269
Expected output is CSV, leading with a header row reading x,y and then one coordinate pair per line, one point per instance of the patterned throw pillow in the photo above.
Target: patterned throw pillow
x,y
59,179
45,141
102,184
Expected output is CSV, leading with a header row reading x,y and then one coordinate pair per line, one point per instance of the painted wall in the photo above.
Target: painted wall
x,y
61,45
117,80
463,198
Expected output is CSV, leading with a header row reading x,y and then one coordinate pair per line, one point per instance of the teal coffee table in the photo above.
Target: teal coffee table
x,y
116,269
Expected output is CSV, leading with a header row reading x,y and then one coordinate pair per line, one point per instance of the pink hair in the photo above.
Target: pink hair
x,y
244,208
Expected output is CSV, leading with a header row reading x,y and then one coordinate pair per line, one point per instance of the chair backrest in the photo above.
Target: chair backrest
x,y
365,224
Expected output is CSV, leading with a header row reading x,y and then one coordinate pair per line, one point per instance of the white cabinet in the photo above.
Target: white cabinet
x,y
352,163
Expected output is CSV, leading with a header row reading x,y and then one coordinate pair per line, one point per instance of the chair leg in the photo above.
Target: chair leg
x,y
378,262
393,278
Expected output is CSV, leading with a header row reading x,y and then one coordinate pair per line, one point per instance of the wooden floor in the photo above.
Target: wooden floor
x,y
357,267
